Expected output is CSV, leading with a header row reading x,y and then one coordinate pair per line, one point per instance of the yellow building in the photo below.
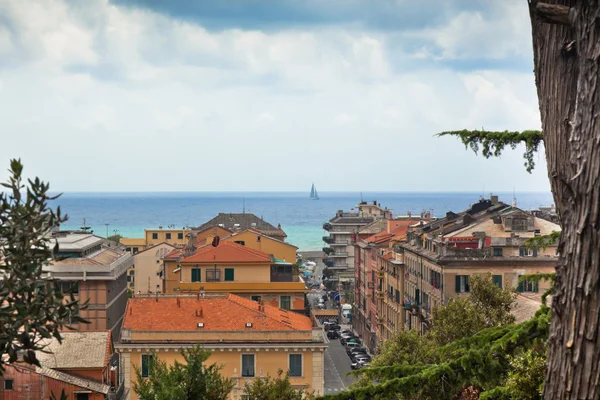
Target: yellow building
x,y
389,295
257,240
250,340
233,268
144,277
153,237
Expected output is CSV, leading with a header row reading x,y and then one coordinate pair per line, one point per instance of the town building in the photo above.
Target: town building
x,y
370,283
234,268
145,274
250,340
152,237
237,222
342,230
489,237
96,274
84,366
255,239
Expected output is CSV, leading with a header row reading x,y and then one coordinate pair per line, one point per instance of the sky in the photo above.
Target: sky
x,y
261,95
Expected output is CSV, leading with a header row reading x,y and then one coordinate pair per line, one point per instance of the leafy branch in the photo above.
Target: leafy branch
x,y
492,143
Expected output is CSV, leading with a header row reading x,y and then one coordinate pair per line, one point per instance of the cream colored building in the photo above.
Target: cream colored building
x,y
145,276
249,339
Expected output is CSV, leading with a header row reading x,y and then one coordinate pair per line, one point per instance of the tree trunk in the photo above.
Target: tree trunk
x,y
566,56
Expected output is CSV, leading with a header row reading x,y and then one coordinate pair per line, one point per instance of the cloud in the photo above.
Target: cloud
x,y
144,96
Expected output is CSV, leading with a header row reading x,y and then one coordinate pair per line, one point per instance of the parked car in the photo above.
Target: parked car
x,y
351,344
355,350
327,325
333,335
321,306
347,332
359,357
334,327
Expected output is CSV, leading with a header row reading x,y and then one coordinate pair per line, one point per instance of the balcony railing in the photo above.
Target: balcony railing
x,y
213,276
328,239
327,250
328,262
469,253
327,226
339,254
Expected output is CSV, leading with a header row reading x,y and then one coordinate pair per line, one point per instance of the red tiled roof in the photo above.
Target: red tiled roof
x,y
227,252
223,313
387,256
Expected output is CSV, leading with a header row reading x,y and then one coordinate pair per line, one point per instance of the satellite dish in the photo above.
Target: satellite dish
x,y
216,241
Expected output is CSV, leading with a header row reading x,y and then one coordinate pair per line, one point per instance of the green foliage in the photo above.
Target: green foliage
x,y
542,241
278,388
33,308
115,238
541,277
63,396
481,361
188,381
527,372
467,347
493,143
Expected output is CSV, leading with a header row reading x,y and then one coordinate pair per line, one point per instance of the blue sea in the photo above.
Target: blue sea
x,y
128,214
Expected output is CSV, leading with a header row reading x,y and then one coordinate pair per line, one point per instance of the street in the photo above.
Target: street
x,y
337,365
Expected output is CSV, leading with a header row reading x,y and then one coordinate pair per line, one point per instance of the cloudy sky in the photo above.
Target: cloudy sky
x,y
156,95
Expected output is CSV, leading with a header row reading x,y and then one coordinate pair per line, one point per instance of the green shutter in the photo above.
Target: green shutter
x,y
457,284
196,275
520,288
229,274
522,252
497,279
467,287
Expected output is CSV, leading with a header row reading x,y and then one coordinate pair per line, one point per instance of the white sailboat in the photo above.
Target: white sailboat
x,y
313,193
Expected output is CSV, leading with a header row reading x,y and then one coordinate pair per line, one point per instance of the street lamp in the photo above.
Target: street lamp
x,y
107,224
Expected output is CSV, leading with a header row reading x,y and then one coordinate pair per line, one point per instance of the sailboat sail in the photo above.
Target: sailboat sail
x,y
313,193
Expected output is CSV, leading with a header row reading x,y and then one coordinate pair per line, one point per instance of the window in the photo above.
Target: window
x,y
128,249
229,274
497,251
528,286
73,317
497,280
284,302
519,224
243,243
532,252
136,250
70,287
155,236
295,364
81,396
213,275
128,278
180,235
196,274
248,365
168,235
146,360
255,298
8,384
462,283
522,251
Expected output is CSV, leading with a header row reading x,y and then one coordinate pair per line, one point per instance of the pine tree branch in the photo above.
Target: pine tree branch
x,y
493,143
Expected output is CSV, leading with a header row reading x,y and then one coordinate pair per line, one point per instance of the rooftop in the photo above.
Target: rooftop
x,y
69,241
225,252
78,350
223,313
242,221
73,380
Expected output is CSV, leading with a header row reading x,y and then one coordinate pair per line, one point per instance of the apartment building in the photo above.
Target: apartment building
x,y
489,237
145,274
237,222
96,274
234,268
250,340
154,236
343,230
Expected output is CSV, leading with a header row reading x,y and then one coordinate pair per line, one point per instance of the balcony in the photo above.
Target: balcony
x,y
328,239
327,250
339,254
339,267
341,243
327,226
213,276
466,253
329,263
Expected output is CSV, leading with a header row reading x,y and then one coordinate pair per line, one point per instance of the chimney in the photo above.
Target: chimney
x,y
494,200
200,313
178,302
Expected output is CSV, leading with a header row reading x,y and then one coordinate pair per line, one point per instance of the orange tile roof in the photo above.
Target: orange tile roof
x,y
387,256
222,313
227,252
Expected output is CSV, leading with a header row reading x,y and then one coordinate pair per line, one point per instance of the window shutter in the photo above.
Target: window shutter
x,y
522,251
520,288
457,283
535,252
229,274
497,279
467,288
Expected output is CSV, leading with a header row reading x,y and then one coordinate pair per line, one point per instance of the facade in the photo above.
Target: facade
x,y
489,237
233,268
152,237
237,222
254,239
144,276
370,282
249,339
96,274
83,366
389,291
342,234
